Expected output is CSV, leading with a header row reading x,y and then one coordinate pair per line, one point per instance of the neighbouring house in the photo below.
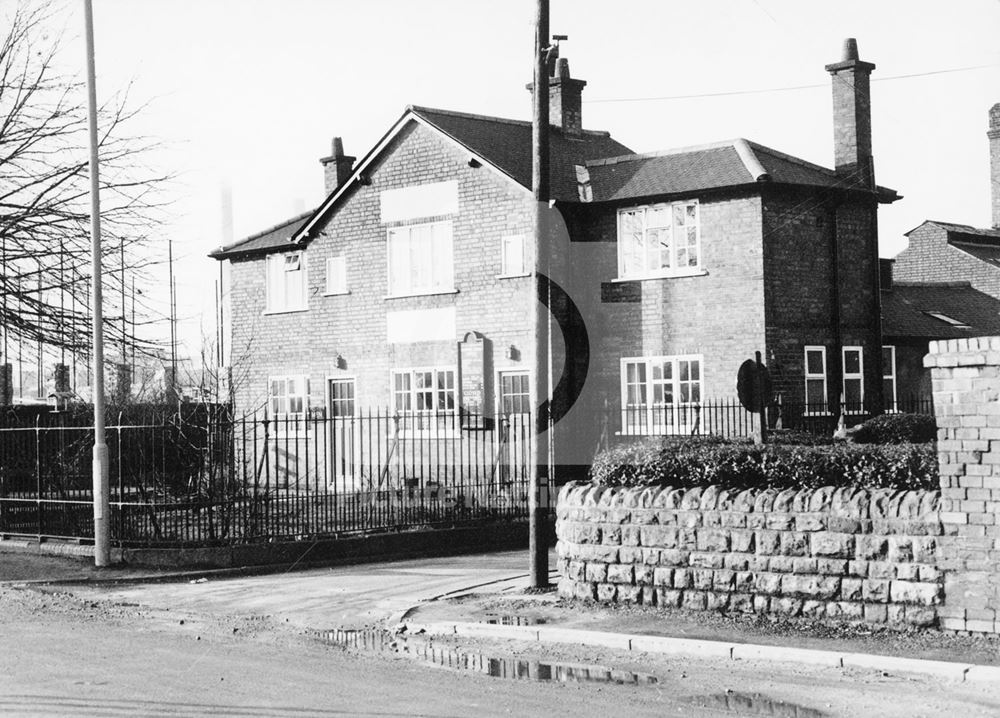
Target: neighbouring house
x,y
916,313
410,286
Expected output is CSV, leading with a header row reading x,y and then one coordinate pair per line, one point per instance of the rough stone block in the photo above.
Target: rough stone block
x,y
682,578
597,572
832,545
723,580
630,554
810,522
900,549
881,569
857,568
743,582
907,571
923,594
734,519
831,566
895,613
663,576
761,604
629,594
786,606
768,542
706,560
844,525
871,547
794,544
620,573
643,575
781,564
631,536
716,601
586,591
736,561
702,579
875,590
804,565
649,596
668,598
741,603
780,522
713,540
606,592
576,571
924,549
742,541
767,583
920,616
674,557
813,609
694,600
876,613
815,587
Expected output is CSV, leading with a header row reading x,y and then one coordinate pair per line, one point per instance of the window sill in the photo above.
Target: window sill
x,y
663,275
336,294
429,293
514,276
817,413
269,312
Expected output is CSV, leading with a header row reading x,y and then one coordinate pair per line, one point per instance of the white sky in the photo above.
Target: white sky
x,y
251,92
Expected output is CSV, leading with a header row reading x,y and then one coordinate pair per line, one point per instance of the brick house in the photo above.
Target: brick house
x,y
917,313
410,286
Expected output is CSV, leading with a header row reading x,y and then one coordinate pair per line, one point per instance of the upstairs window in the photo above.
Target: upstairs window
x,y
854,380
512,259
660,395
336,275
815,373
286,282
420,259
659,240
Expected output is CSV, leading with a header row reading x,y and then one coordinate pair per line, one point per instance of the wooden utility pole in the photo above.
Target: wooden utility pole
x,y
538,545
102,518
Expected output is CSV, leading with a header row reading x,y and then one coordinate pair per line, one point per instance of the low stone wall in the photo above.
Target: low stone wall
x,y
842,554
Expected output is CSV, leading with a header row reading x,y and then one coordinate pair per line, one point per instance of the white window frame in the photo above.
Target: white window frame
x,y
507,267
440,267
651,417
281,299
810,410
336,276
413,421
891,402
858,376
287,422
650,214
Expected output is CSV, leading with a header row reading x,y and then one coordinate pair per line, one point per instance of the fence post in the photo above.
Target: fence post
x,y
40,507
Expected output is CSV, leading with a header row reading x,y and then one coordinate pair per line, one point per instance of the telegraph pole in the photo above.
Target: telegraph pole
x,y
538,507
102,519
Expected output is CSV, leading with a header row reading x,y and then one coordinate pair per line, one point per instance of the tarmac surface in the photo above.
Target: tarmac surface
x,y
487,595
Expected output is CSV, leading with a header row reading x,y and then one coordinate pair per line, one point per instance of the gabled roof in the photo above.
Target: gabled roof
x,y
961,232
277,236
905,311
692,169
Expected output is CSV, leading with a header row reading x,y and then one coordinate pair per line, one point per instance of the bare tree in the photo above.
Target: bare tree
x,y
44,196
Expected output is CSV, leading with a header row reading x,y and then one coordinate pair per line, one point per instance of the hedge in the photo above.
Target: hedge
x,y
895,429
740,465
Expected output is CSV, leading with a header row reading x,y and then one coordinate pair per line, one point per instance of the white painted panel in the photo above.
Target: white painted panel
x,y
421,325
425,200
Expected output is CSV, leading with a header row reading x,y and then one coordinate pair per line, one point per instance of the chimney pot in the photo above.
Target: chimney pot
x,y
337,167
850,49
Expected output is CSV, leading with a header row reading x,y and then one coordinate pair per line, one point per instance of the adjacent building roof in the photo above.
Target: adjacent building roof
x,y
922,310
962,232
263,242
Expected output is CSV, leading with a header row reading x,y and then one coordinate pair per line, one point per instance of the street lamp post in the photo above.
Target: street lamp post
x,y
102,525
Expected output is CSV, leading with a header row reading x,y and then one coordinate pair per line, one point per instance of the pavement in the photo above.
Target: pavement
x,y
487,596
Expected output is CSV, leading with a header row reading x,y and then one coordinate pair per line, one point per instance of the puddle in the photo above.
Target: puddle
x,y
499,667
755,704
513,621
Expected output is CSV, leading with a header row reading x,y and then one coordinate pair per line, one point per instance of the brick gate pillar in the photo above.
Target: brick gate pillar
x,y
966,379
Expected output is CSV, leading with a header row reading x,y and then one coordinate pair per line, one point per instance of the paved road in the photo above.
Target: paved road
x,y
343,596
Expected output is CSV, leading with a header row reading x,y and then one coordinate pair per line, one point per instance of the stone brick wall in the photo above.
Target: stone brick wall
x,y
839,554
966,379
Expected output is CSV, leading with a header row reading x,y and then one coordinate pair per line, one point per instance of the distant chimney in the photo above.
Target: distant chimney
x,y
852,117
337,167
994,135
565,97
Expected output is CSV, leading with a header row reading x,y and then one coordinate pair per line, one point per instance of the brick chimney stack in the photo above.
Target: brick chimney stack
x,y
994,135
565,97
337,167
852,117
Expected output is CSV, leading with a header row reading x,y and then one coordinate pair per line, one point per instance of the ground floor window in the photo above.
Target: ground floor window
x,y
515,393
287,402
425,399
854,380
661,394
889,378
815,373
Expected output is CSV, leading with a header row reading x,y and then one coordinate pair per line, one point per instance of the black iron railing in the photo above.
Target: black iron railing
x,y
215,479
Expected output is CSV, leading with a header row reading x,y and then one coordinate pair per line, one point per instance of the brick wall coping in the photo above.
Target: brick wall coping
x,y
973,351
845,501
